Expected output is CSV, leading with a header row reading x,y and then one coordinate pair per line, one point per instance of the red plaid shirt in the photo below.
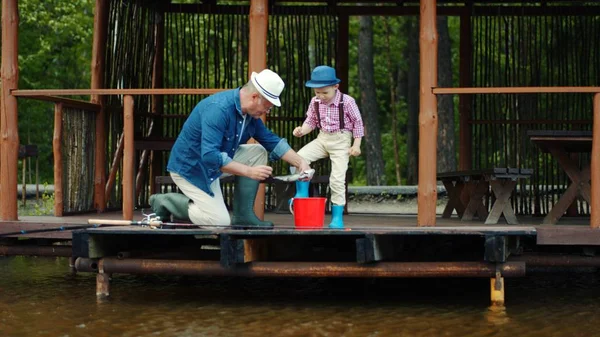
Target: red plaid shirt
x,y
330,115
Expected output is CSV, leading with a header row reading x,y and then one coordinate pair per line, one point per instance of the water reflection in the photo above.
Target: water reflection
x,y
496,315
40,297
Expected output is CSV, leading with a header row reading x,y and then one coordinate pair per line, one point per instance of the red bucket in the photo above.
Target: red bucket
x,y
309,213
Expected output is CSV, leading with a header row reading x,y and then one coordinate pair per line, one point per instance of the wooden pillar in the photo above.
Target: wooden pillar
x,y
98,52
428,119
259,21
102,285
9,131
128,159
595,166
497,290
58,167
465,152
342,51
157,100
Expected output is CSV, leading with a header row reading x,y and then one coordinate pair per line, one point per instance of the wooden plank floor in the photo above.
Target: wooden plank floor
x,y
570,231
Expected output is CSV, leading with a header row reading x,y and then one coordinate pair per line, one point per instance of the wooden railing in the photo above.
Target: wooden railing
x,y
128,180
595,158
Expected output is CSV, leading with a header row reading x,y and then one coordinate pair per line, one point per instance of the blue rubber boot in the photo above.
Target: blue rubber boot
x,y
337,214
301,190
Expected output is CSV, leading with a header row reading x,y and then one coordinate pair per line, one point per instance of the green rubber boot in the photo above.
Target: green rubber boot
x,y
243,205
167,204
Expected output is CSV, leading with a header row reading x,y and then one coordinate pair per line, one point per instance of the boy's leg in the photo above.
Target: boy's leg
x,y
311,152
338,152
314,150
204,209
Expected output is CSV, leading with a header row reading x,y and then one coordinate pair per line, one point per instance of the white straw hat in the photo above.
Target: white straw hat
x,y
269,85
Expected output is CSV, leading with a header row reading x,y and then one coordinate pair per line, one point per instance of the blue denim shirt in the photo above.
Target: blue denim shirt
x,y
210,137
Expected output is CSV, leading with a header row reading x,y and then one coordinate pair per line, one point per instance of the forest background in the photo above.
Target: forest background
x,y
55,45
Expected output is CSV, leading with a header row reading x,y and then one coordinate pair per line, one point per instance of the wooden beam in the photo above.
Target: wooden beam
x,y
236,251
9,126
156,158
567,235
97,82
259,22
497,290
342,63
69,103
232,251
375,248
496,248
58,167
407,10
128,158
595,166
465,143
428,125
514,90
79,92
112,175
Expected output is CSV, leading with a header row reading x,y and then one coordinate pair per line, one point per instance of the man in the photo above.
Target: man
x,y
212,142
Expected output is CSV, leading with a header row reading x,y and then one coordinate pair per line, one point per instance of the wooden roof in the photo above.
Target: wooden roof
x,y
396,7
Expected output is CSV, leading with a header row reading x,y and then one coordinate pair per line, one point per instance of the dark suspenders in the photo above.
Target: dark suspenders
x,y
341,105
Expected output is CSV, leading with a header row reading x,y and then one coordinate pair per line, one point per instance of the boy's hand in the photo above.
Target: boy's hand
x,y
298,132
354,151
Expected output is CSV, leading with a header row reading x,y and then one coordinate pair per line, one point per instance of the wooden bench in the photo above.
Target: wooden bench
x,y
467,190
29,151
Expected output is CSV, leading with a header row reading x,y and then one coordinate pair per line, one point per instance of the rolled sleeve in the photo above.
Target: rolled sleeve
x,y
353,112
226,159
280,149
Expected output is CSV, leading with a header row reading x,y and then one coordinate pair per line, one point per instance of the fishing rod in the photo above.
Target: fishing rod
x,y
151,221
54,229
154,222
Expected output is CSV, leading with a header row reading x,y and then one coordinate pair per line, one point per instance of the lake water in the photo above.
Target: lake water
x,y
40,297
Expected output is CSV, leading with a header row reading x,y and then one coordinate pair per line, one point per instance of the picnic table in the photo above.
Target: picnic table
x,y
560,144
476,184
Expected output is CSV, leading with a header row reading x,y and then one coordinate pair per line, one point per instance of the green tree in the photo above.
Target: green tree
x,y
55,46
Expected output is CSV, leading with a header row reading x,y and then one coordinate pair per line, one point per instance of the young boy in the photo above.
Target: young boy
x,y
338,118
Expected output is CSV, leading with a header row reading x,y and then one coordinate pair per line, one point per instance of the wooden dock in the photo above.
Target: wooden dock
x,y
372,245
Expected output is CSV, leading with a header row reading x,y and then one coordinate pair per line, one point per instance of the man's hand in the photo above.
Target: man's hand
x,y
260,172
303,167
354,151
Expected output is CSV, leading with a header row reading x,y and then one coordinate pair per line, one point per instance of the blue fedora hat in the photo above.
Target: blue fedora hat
x,y
322,76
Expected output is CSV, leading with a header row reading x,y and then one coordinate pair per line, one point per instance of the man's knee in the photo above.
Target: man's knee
x,y
252,154
205,217
262,156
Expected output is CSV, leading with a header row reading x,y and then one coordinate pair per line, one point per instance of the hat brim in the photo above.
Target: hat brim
x,y
321,84
260,90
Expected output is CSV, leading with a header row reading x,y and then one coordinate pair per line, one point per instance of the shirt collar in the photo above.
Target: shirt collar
x,y
238,104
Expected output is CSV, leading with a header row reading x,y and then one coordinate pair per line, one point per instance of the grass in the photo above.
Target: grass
x,y
43,206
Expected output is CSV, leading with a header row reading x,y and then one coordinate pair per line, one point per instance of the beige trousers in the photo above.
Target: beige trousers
x,y
335,146
207,210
